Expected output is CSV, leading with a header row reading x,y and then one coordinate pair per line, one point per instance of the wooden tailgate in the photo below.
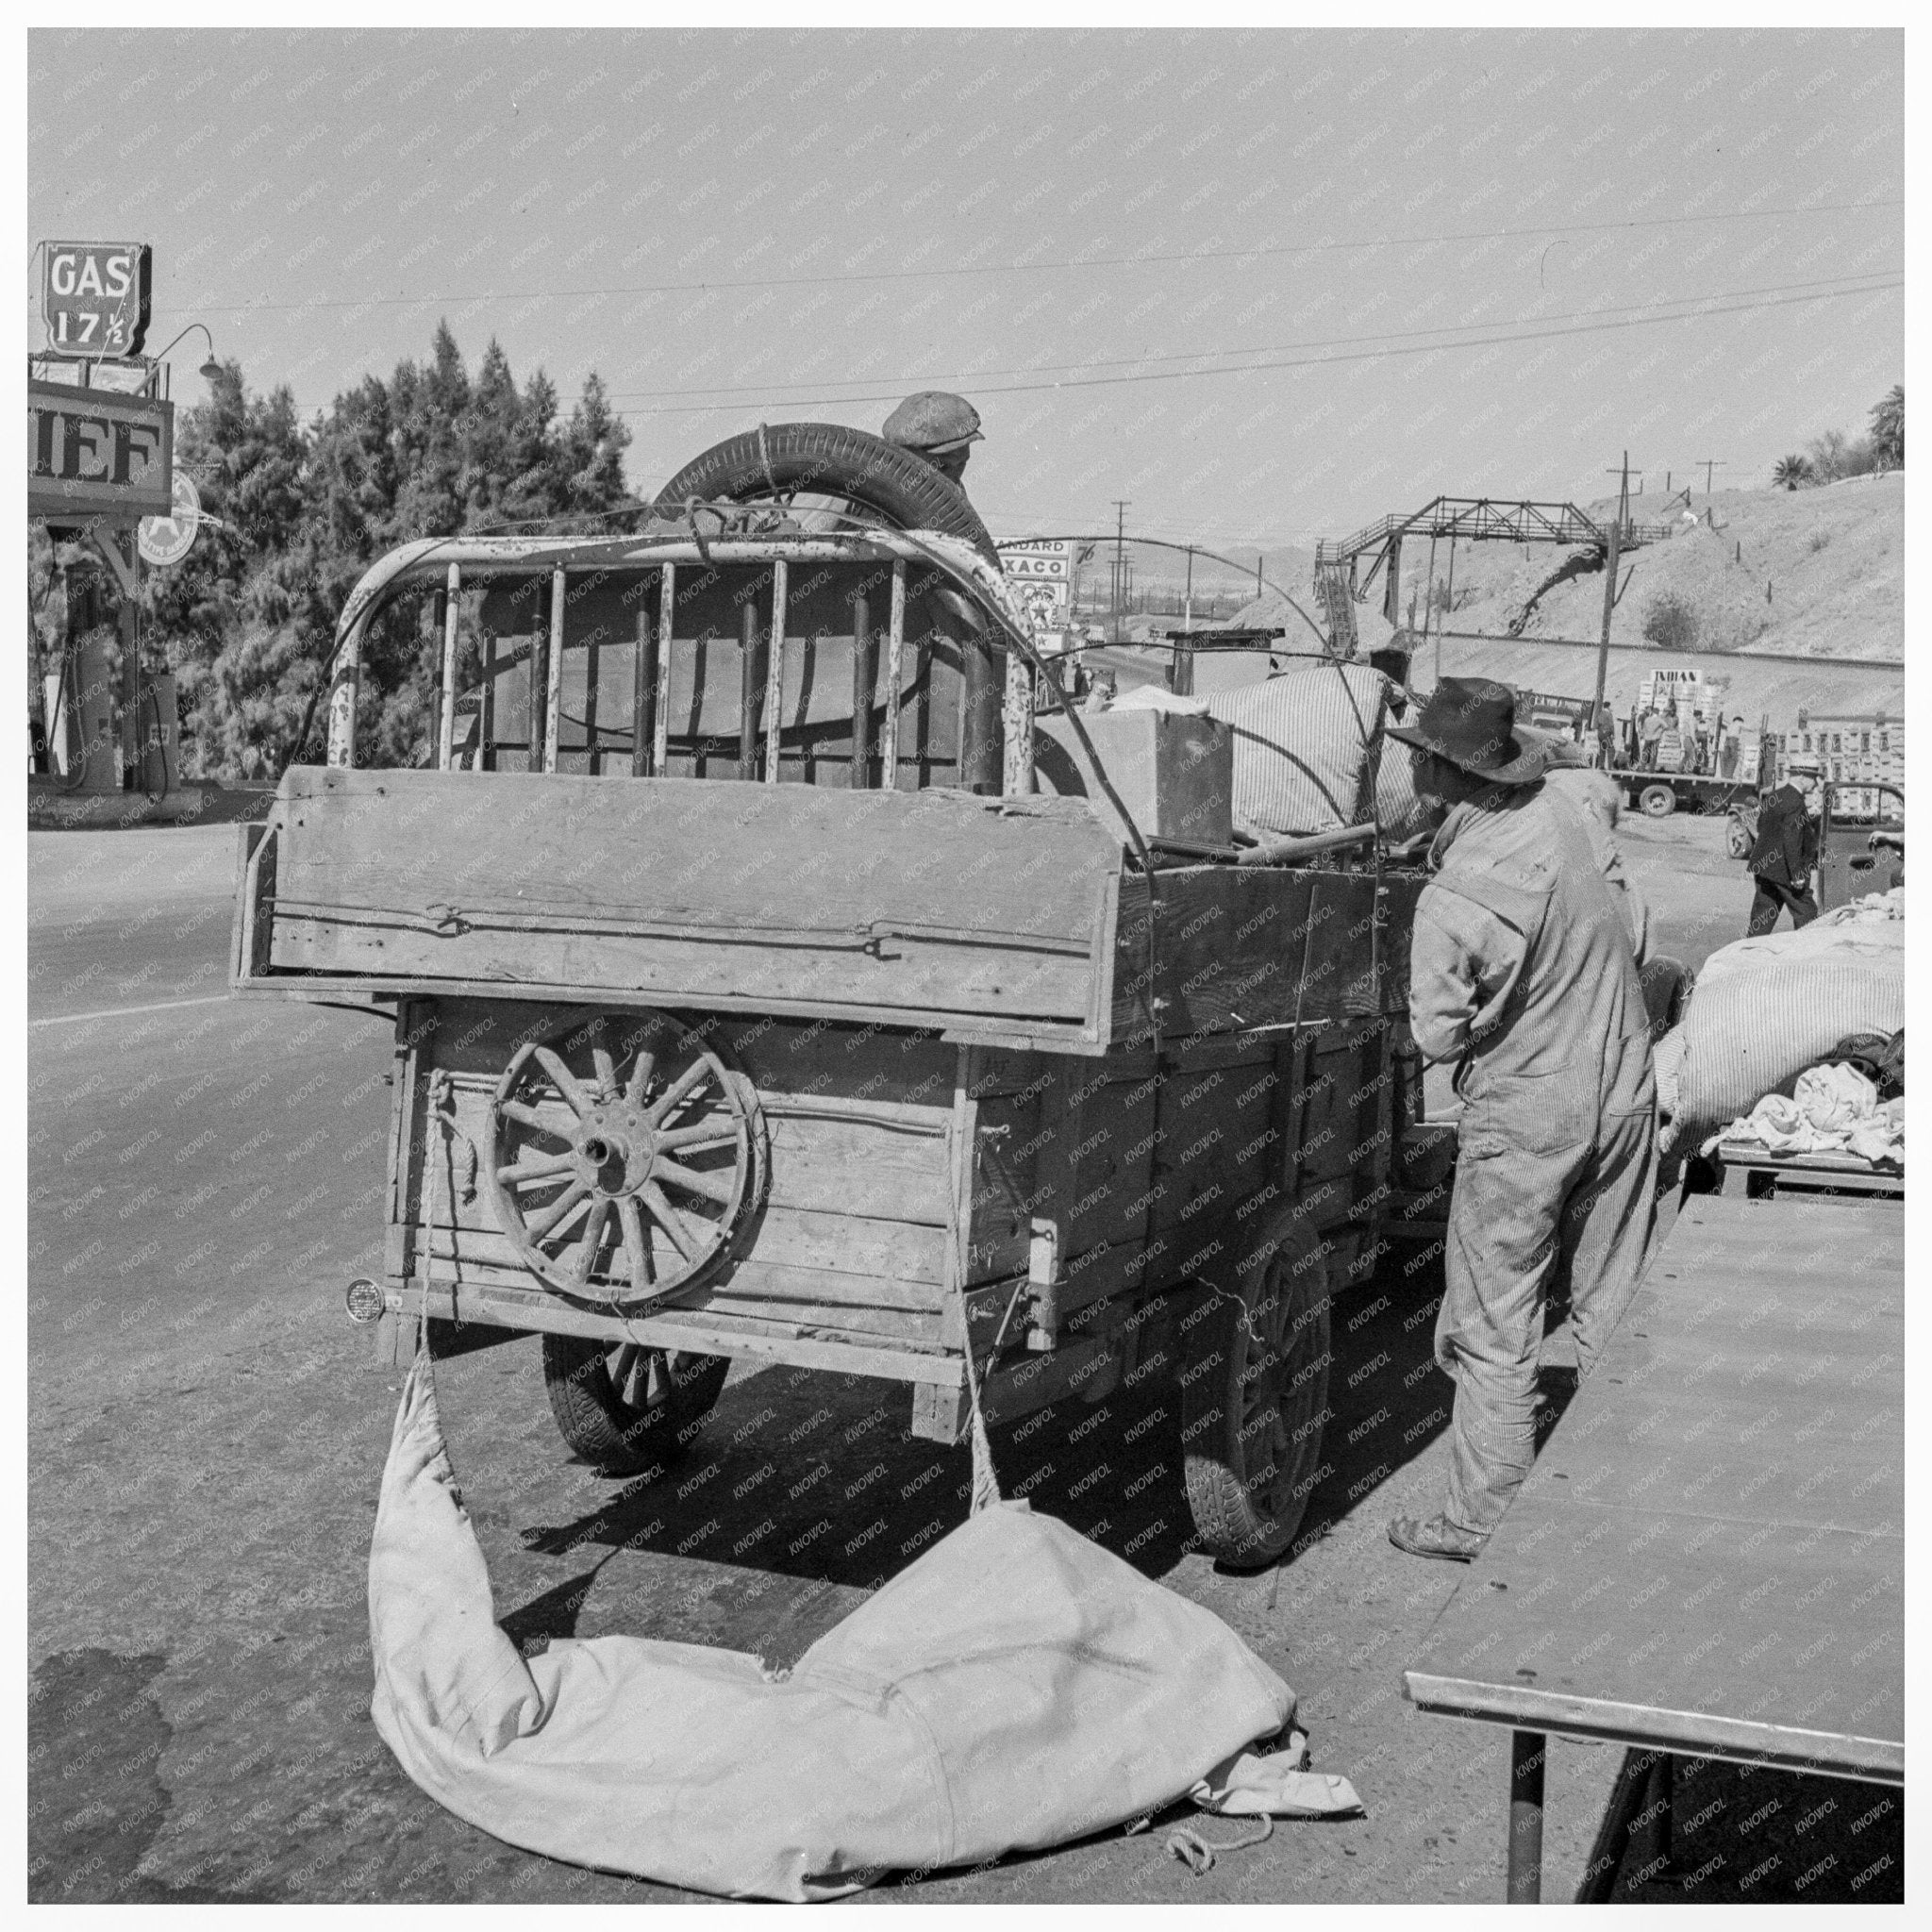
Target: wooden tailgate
x,y
934,906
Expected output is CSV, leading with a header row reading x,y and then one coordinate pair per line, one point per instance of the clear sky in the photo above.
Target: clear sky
x,y
732,227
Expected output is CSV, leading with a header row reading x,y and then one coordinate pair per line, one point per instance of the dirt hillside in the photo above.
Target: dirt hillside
x,y
1834,560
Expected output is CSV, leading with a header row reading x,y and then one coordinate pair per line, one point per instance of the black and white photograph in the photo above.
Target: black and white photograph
x,y
965,960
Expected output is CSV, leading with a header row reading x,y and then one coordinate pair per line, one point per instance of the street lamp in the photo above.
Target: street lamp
x,y
210,369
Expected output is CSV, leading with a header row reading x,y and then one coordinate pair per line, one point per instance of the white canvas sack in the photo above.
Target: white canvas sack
x,y
1016,1687
1765,1009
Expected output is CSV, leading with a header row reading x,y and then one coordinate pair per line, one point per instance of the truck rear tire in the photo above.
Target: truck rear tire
x,y
1255,1395
829,459
1657,801
627,1408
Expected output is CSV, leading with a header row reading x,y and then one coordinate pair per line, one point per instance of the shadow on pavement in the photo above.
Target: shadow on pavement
x,y
812,1476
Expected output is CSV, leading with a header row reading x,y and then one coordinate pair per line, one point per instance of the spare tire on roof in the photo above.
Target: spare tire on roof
x,y
829,459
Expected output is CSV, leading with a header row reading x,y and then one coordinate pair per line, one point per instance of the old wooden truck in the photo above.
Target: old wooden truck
x,y
748,1001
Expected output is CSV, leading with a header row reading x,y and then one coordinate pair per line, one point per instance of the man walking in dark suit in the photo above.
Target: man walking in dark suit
x,y
1787,850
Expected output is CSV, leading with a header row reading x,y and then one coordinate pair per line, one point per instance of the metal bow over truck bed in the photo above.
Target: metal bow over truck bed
x,y
846,1071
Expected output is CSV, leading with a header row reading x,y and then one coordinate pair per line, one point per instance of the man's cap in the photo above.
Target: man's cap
x,y
1471,722
933,423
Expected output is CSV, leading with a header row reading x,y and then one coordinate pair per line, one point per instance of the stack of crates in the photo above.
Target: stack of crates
x,y
1853,751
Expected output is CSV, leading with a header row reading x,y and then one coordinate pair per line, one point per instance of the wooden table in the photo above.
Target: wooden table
x,y
1708,1558
1752,1170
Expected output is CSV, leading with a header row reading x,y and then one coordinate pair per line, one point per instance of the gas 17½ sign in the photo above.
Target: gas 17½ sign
x,y
92,453
95,297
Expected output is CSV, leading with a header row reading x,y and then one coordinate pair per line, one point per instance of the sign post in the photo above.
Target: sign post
x,y
1610,561
100,460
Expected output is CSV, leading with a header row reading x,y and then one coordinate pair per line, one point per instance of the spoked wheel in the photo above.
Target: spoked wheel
x,y
624,1407
624,1155
1255,1386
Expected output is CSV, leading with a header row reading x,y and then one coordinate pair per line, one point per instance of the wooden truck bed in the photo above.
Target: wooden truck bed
x,y
909,1179
1003,922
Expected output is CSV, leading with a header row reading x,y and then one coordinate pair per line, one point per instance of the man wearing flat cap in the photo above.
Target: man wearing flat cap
x,y
1785,853
1521,972
941,428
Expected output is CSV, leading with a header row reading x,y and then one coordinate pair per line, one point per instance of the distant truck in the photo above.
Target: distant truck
x,y
1657,794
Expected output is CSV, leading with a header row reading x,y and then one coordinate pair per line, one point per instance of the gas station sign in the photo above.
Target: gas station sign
x,y
95,297
1041,574
94,453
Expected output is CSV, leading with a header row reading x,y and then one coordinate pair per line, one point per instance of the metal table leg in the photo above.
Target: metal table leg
x,y
1527,1750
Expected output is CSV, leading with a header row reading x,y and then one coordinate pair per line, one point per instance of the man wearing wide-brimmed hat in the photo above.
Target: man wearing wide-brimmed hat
x,y
1521,972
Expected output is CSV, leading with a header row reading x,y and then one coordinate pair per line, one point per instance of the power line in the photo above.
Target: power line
x,y
1032,268
1293,363
1830,282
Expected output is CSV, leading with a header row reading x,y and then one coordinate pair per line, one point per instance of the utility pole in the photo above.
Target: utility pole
x,y
1187,615
1626,472
1120,559
1710,464
1603,650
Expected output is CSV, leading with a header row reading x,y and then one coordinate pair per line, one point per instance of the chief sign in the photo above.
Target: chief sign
x,y
92,453
96,296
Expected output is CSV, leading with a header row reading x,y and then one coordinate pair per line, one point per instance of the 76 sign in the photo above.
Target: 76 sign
x,y
95,297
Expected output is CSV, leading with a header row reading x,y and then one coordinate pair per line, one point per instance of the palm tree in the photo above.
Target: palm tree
x,y
1888,428
1790,472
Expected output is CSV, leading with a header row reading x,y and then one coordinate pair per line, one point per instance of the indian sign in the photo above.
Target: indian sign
x,y
92,453
1694,690
95,297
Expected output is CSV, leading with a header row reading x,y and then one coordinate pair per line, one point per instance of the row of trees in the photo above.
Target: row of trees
x,y
1835,455
247,619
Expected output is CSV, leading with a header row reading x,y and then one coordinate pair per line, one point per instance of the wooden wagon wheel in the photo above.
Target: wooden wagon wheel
x,y
623,1156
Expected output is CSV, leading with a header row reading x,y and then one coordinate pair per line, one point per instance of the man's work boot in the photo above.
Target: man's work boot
x,y
1438,1538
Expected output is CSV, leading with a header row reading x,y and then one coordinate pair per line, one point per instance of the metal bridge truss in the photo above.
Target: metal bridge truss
x,y
1341,584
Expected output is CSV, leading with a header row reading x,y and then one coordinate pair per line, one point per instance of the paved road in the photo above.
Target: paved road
x,y
206,1440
